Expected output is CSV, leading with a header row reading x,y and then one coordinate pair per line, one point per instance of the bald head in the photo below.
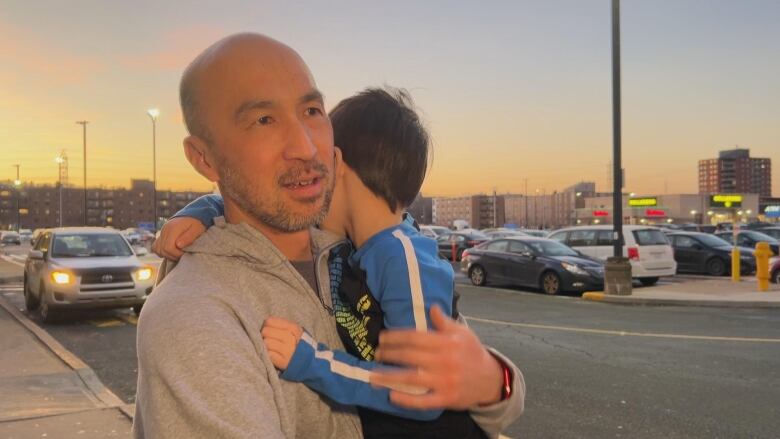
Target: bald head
x,y
212,68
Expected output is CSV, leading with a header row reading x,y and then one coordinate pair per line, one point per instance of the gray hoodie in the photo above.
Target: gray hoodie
x,y
203,371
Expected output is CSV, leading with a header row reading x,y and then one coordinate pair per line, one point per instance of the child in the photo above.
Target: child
x,y
385,151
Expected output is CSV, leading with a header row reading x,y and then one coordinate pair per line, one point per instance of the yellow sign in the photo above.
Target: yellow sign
x,y
724,200
643,202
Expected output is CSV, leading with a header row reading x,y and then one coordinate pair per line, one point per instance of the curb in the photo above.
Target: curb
x,y
628,300
85,373
11,279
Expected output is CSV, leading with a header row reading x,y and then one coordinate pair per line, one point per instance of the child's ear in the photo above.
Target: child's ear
x,y
338,163
196,151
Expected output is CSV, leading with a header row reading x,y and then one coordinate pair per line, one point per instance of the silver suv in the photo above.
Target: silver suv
x,y
86,267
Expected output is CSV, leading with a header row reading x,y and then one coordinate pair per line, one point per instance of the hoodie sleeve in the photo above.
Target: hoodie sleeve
x,y
344,379
204,209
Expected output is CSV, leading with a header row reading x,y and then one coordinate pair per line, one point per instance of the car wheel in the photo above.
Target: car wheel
x,y
776,277
30,301
551,283
477,275
137,309
48,315
648,281
716,267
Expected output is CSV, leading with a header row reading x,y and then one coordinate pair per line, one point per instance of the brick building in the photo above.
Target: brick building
x,y
734,171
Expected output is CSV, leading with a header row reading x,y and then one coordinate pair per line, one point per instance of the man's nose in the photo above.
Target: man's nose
x,y
299,143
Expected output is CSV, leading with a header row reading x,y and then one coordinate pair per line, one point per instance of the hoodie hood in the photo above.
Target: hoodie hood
x,y
244,242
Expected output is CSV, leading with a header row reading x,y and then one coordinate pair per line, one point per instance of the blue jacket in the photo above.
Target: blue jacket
x,y
404,274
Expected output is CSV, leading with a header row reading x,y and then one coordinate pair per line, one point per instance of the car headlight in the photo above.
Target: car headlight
x,y
144,274
575,269
60,277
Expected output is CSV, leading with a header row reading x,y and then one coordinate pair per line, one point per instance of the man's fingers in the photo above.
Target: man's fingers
x,y
410,339
419,402
439,320
407,357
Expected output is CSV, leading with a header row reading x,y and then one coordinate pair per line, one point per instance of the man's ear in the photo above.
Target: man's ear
x,y
197,152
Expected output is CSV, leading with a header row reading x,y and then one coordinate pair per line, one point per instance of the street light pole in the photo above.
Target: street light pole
x,y
83,124
18,185
617,177
153,114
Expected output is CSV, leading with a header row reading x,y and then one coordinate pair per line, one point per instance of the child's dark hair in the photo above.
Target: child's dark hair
x,y
383,140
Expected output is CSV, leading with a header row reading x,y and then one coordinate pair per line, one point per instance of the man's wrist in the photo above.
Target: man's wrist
x,y
495,391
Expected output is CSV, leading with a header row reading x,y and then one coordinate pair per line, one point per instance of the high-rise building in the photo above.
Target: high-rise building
x,y
480,211
734,171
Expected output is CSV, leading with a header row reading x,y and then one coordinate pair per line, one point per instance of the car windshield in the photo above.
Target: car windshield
x,y
713,241
761,237
89,245
551,248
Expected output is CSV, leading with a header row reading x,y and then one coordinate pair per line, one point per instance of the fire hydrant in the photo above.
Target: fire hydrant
x,y
762,255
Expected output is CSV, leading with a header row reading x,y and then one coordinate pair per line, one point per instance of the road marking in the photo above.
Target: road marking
x,y
625,333
11,260
131,319
106,323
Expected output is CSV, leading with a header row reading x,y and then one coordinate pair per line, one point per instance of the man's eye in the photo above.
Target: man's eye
x,y
264,120
313,111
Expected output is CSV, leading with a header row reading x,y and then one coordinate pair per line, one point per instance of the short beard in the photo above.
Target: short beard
x,y
272,211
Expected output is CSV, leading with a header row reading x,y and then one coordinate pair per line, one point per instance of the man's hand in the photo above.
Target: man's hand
x,y
175,236
281,337
450,361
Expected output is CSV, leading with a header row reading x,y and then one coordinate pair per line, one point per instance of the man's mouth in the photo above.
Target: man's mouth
x,y
302,183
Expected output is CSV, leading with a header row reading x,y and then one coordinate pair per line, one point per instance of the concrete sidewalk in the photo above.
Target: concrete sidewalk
x,y
717,292
47,391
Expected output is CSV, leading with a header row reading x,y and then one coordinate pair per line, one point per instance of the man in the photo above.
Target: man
x,y
258,128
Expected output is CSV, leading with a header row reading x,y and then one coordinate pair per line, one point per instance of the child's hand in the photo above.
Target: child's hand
x,y
281,337
176,235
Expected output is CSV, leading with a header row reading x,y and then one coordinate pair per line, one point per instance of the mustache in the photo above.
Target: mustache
x,y
295,173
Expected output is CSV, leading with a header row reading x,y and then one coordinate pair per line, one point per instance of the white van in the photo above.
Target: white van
x,y
648,248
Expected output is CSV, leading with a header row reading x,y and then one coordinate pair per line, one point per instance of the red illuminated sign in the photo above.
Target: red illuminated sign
x,y
654,212
600,213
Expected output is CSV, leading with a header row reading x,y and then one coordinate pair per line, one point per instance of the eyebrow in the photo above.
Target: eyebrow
x,y
253,104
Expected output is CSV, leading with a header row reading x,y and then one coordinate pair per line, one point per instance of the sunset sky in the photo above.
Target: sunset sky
x,y
510,90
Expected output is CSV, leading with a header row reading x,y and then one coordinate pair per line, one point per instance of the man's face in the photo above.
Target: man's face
x,y
270,135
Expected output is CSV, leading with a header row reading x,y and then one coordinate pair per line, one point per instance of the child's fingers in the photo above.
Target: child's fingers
x,y
190,235
278,361
283,324
277,346
280,335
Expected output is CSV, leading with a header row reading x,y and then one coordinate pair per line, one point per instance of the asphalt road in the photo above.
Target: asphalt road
x,y
593,370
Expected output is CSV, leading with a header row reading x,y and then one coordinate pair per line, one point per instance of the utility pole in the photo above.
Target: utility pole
x,y
18,185
62,161
153,114
83,124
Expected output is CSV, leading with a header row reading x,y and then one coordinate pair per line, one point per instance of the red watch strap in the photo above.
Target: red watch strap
x,y
506,391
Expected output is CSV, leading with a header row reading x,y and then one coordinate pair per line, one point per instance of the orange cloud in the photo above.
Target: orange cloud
x,y
27,54
176,49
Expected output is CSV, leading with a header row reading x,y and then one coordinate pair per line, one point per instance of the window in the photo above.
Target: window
x,y
518,247
684,242
560,237
604,237
650,237
583,238
497,246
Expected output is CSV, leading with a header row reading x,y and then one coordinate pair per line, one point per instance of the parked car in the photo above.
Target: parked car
x,y
774,269
773,231
10,238
703,228
536,233
461,241
533,262
647,248
434,231
749,239
25,234
84,268
37,233
703,253
496,234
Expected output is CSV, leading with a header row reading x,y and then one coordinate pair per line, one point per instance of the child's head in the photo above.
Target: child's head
x,y
383,141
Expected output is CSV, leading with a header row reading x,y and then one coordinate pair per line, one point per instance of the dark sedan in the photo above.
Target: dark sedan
x,y
749,239
773,231
452,246
703,253
533,262
774,269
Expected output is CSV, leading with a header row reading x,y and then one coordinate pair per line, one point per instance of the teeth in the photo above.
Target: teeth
x,y
302,183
